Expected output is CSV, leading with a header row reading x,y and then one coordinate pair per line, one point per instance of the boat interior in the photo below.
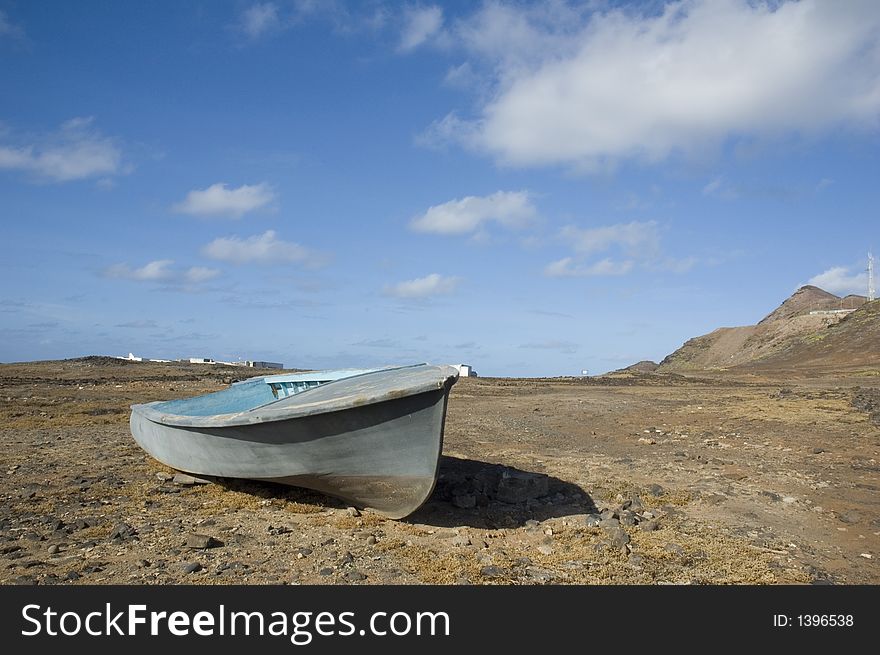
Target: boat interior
x,y
256,392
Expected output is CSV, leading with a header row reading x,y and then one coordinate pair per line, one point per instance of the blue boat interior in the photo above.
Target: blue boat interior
x,y
253,393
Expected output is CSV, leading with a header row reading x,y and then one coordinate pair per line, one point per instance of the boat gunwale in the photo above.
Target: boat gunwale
x,y
271,412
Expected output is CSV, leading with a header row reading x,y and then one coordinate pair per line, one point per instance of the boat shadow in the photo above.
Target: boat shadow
x,y
468,492
485,495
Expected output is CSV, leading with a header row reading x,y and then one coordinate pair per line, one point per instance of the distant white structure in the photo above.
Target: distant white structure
x,y
132,358
584,371
816,312
264,364
466,370
201,360
872,290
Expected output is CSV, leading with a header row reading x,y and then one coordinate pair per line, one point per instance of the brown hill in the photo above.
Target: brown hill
x,y
804,318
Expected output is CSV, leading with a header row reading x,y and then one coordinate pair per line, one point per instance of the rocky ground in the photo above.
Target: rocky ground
x,y
629,479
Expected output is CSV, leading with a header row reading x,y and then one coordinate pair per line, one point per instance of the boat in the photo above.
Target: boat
x,y
371,437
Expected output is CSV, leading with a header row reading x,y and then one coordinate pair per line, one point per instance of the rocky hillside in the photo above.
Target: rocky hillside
x,y
786,334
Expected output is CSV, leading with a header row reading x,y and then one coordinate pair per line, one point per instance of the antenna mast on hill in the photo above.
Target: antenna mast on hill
x,y
871,290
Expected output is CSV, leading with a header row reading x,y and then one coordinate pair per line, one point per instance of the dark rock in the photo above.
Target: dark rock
x,y
303,552
609,514
593,520
818,451
655,490
54,550
772,496
675,549
72,575
355,576
491,571
617,538
519,486
609,524
649,526
123,532
627,518
201,541
326,571
635,504
850,516
371,540
191,567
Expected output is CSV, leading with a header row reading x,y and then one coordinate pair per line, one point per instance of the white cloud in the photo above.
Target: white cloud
x,y
567,267
507,208
841,281
162,270
217,200
423,287
419,25
591,89
259,19
263,248
76,151
635,238
10,29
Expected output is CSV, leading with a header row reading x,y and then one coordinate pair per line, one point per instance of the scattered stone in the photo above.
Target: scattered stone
x,y
352,511
532,524
54,550
609,524
545,549
649,441
617,538
465,501
72,575
371,540
655,490
772,496
608,514
649,526
164,477
850,516
714,499
201,541
123,532
191,567
635,561
355,576
818,451
491,571
635,504
326,571
627,518
519,486
461,540
303,552
540,576
593,520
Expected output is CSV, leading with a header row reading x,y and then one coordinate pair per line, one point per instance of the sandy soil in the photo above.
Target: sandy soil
x,y
749,480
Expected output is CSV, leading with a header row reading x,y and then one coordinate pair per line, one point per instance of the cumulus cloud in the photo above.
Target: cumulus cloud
x,y
162,270
259,19
424,287
589,89
264,248
633,244
635,238
567,267
76,151
218,200
508,208
841,281
419,25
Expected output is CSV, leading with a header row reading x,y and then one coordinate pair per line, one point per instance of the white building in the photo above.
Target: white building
x,y
466,370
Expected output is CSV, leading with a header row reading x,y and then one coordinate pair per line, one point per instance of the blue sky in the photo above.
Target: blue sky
x,y
534,189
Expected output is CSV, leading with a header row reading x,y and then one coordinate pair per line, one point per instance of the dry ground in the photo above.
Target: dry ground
x,y
745,481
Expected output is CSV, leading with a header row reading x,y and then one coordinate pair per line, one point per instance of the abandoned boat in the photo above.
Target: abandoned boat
x,y
371,437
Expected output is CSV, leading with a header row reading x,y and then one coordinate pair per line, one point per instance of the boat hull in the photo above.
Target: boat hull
x,y
382,456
